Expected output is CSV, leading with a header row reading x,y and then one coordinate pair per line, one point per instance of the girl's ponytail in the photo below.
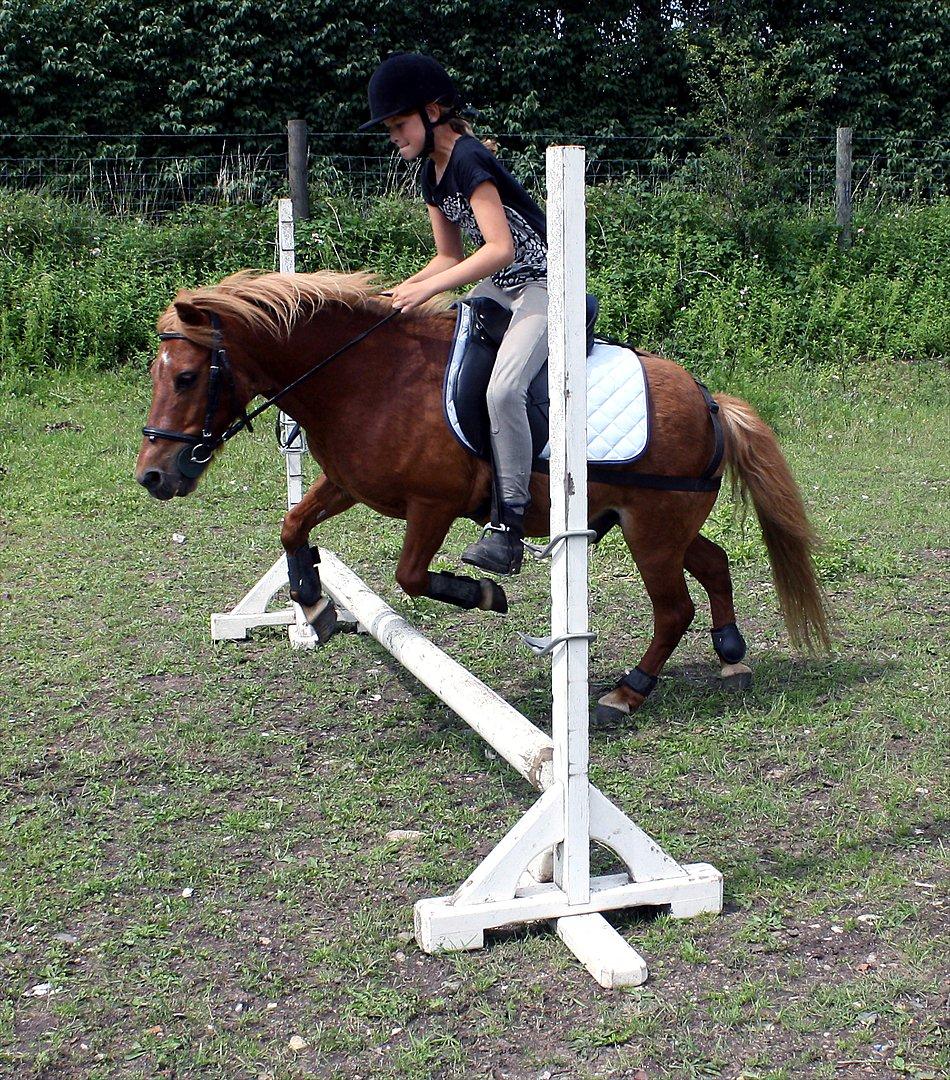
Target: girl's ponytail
x,y
461,126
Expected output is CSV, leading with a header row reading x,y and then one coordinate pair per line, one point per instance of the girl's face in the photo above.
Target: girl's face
x,y
407,133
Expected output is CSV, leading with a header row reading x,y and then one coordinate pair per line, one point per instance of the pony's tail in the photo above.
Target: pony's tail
x,y
758,469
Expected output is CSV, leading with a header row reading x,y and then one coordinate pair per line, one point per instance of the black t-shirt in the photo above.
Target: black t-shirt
x,y
472,164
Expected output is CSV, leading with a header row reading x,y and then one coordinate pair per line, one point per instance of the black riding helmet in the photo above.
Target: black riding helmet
x,y
407,82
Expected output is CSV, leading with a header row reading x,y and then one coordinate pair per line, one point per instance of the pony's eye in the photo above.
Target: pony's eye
x,y
185,380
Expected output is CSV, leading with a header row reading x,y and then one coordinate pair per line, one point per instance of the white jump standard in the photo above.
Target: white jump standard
x,y
571,813
254,607
500,891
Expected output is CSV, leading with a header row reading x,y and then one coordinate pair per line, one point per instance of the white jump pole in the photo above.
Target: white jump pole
x,y
294,448
567,392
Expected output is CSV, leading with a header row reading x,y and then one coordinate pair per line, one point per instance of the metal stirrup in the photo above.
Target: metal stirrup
x,y
541,646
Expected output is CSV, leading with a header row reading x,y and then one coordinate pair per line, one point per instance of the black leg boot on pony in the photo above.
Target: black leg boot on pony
x,y
500,549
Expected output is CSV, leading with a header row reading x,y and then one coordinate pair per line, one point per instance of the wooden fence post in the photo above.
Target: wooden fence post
x,y
297,168
843,186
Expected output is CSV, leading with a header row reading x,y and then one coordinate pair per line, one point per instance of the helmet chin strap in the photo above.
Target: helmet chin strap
x,y
430,125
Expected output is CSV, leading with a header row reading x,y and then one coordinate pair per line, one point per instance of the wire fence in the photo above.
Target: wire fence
x,y
149,176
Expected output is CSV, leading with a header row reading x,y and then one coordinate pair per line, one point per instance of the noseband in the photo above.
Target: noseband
x,y
198,451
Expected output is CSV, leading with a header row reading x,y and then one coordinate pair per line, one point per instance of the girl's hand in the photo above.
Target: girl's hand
x,y
411,294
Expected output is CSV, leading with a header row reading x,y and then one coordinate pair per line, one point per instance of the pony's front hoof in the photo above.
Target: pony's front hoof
x,y
736,677
322,617
493,597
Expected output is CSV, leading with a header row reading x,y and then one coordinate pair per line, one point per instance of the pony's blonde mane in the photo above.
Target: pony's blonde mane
x,y
274,303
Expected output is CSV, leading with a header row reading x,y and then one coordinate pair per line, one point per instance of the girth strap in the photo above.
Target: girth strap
x,y
601,474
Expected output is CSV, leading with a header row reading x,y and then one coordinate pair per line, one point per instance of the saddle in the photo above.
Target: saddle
x,y
618,399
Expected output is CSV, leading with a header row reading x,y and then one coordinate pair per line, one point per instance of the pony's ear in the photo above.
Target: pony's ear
x,y
189,314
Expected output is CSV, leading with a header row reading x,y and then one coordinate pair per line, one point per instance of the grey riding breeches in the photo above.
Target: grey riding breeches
x,y
521,356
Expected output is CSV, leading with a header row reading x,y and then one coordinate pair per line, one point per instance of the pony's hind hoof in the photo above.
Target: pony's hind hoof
x,y
323,618
612,709
493,596
735,677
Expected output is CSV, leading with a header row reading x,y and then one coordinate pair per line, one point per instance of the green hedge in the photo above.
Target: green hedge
x,y
79,289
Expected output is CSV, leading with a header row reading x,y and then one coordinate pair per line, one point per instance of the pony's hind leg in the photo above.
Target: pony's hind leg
x,y
709,565
661,568
426,528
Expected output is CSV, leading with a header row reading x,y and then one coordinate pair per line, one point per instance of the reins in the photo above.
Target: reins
x,y
196,455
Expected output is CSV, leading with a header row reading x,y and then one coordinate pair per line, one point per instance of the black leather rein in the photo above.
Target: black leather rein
x,y
196,455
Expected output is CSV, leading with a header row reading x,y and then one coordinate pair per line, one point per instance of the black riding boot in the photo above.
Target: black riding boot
x,y
500,549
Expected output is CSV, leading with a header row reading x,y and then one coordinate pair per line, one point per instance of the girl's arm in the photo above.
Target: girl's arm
x,y
497,252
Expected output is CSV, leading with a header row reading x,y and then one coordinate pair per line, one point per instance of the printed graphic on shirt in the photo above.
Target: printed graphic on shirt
x,y
530,262
531,255
471,164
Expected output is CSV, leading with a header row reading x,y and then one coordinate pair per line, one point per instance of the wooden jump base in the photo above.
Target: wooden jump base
x,y
571,813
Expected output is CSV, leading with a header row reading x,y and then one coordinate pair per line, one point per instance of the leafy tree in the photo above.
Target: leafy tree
x,y
891,61
752,102
530,66
73,66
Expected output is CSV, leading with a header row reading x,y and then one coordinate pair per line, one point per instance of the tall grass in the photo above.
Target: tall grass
x,y
82,289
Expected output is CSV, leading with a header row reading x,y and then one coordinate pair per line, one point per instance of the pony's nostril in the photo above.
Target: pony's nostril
x,y
151,479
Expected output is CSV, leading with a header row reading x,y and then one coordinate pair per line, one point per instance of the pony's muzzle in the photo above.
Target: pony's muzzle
x,y
155,483
161,485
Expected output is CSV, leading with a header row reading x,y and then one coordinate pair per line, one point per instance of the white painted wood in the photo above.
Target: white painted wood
x,y
567,384
251,611
442,922
286,249
507,731
644,858
293,451
302,635
685,904
611,960
226,626
498,874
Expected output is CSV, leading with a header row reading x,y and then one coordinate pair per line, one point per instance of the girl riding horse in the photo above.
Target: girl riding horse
x,y
466,189
372,411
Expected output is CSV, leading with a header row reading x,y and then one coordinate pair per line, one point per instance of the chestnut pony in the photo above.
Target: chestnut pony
x,y
374,422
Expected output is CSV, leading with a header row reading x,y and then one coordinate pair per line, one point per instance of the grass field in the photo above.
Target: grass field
x,y
196,879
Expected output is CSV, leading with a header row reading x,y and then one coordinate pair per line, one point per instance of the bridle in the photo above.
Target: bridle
x,y
195,456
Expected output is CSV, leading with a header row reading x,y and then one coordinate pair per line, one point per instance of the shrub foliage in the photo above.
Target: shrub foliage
x,y
74,66
673,274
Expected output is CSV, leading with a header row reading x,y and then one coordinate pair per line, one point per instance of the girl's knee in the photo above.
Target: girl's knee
x,y
506,396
